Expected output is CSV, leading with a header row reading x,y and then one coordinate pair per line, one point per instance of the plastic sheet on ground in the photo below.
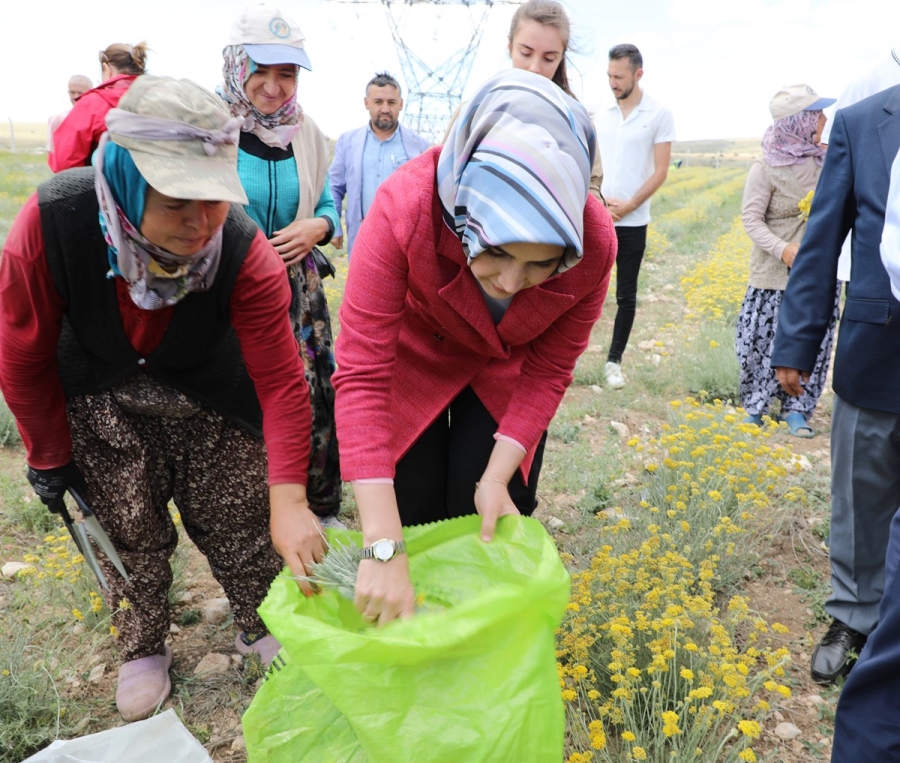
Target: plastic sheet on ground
x,y
472,677
160,739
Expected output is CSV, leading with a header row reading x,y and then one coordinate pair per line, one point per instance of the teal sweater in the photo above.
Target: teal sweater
x,y
269,177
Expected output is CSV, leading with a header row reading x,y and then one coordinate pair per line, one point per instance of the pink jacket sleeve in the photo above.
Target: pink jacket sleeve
x,y
373,304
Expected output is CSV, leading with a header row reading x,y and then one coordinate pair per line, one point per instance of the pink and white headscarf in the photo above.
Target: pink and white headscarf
x,y
277,129
790,140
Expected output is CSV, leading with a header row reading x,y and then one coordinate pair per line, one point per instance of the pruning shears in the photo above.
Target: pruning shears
x,y
80,532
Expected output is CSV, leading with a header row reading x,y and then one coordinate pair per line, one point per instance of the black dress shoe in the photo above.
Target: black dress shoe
x,y
836,653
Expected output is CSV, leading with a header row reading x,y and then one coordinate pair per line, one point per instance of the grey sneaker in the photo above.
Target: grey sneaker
x,y
615,379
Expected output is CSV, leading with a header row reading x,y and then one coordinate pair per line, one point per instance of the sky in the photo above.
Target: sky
x,y
715,63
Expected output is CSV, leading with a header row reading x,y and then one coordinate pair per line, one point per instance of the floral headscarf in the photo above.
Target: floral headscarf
x,y
790,140
277,129
516,167
156,278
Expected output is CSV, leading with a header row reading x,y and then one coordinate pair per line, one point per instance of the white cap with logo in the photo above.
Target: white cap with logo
x,y
792,99
269,37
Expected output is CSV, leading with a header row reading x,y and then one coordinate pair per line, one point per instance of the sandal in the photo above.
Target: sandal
x,y
797,425
754,418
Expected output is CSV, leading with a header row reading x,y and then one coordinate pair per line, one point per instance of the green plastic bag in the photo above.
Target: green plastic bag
x,y
473,679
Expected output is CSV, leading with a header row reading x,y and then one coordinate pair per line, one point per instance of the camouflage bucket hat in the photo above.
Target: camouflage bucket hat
x,y
181,137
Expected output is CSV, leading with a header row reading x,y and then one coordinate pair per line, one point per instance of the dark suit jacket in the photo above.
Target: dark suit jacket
x,y
851,193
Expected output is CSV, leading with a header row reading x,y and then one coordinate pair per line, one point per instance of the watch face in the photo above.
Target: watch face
x,y
383,550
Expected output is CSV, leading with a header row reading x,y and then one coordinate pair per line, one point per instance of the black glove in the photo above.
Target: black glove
x,y
51,484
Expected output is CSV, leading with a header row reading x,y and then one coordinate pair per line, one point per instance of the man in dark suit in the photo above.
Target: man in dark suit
x,y
865,431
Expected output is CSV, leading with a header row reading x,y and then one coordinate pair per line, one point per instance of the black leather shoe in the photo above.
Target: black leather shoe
x,y
836,653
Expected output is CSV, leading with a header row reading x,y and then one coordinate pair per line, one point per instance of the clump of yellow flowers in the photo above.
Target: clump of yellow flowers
x,y
804,205
653,665
715,287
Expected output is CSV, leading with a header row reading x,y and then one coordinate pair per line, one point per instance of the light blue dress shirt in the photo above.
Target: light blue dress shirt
x,y
380,158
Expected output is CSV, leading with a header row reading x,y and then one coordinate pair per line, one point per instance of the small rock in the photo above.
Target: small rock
x,y
668,287
596,388
621,429
588,419
94,659
213,664
236,659
215,611
801,462
650,298
11,569
655,358
595,348
778,716
97,673
555,524
238,745
187,597
81,725
647,345
174,628
787,731
814,699
824,742
614,512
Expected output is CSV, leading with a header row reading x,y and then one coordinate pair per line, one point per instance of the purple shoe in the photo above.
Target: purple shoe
x,y
144,684
265,646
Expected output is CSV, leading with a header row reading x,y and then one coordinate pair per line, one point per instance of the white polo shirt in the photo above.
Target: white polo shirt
x,y
626,147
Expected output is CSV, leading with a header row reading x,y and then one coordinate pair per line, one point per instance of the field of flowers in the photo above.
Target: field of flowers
x,y
663,654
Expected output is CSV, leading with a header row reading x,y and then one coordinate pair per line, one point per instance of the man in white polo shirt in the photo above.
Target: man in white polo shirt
x,y
635,140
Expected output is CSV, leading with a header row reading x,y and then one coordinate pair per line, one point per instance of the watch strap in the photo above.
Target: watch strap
x,y
369,551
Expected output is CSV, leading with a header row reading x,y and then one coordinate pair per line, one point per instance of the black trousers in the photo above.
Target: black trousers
x,y
632,242
436,478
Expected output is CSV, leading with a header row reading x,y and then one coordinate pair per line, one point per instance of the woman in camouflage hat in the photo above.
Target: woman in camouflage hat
x,y
146,353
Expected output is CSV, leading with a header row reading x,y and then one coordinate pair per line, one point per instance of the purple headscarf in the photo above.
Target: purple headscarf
x,y
790,140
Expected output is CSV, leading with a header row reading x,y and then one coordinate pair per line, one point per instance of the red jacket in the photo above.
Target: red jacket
x,y
76,138
415,330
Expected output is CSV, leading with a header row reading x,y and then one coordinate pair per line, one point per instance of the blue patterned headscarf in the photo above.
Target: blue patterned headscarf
x,y
516,167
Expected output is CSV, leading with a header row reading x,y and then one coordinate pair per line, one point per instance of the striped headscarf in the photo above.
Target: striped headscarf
x,y
516,167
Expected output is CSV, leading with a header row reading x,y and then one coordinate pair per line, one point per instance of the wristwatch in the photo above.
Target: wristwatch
x,y
383,550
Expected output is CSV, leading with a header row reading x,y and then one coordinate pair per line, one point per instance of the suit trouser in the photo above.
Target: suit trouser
x,y
867,725
865,493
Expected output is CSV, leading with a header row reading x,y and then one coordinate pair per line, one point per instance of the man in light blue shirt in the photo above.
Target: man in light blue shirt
x,y
365,157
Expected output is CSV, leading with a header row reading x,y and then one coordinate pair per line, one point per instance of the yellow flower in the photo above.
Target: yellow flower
x,y
114,632
124,603
687,675
5,672
78,614
598,741
569,695
628,736
747,755
638,753
749,729
670,723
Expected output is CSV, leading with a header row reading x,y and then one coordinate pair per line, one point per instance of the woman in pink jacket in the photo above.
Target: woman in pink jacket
x,y
476,279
